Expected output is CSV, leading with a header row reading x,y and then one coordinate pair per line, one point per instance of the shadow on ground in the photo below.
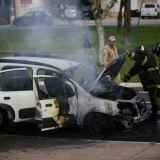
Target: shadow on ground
x,y
28,136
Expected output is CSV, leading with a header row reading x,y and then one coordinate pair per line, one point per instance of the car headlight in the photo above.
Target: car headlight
x,y
111,108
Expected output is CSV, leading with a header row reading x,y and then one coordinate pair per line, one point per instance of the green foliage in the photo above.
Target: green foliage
x,y
40,40
147,36
71,39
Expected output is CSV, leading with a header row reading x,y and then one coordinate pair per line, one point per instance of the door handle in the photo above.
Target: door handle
x,y
7,98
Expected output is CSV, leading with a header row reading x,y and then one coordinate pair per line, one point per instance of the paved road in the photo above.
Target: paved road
x,y
25,142
113,22
107,22
38,148
148,131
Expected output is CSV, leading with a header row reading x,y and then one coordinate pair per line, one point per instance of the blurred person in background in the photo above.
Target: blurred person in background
x,y
110,51
110,54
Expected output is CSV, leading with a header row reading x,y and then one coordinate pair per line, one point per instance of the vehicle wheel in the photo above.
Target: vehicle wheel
x,y
95,124
127,118
128,123
2,119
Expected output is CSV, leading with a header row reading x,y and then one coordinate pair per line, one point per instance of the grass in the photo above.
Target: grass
x,y
39,40
71,39
147,36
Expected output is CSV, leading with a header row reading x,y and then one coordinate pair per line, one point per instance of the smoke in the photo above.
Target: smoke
x,y
65,38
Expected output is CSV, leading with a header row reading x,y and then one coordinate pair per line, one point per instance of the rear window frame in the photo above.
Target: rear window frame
x,y
21,78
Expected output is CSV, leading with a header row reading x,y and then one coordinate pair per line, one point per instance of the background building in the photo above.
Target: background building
x,y
135,4
20,7
4,11
23,6
9,9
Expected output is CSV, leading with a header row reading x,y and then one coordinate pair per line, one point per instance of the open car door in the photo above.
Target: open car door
x,y
47,107
52,101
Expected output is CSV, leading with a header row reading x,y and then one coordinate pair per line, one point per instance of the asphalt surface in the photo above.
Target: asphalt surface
x,y
113,22
25,142
148,131
38,148
107,22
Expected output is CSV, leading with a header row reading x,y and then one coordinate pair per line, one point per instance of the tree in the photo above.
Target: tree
x,y
99,14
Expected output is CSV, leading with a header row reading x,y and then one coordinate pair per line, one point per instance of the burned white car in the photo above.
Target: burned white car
x,y
45,90
134,105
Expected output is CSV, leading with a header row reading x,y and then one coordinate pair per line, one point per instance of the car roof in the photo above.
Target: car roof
x,y
61,64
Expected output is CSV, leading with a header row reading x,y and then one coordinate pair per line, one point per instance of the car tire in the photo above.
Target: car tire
x,y
127,119
95,124
2,119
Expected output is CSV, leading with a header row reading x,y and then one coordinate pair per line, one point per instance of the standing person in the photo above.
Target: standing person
x,y
110,52
147,69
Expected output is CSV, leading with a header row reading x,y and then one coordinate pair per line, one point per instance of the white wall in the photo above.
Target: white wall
x,y
23,8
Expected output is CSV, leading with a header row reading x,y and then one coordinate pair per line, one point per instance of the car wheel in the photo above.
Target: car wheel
x,y
4,121
2,117
127,118
95,124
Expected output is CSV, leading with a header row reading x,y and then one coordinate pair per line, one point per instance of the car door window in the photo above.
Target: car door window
x,y
49,87
19,80
56,86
